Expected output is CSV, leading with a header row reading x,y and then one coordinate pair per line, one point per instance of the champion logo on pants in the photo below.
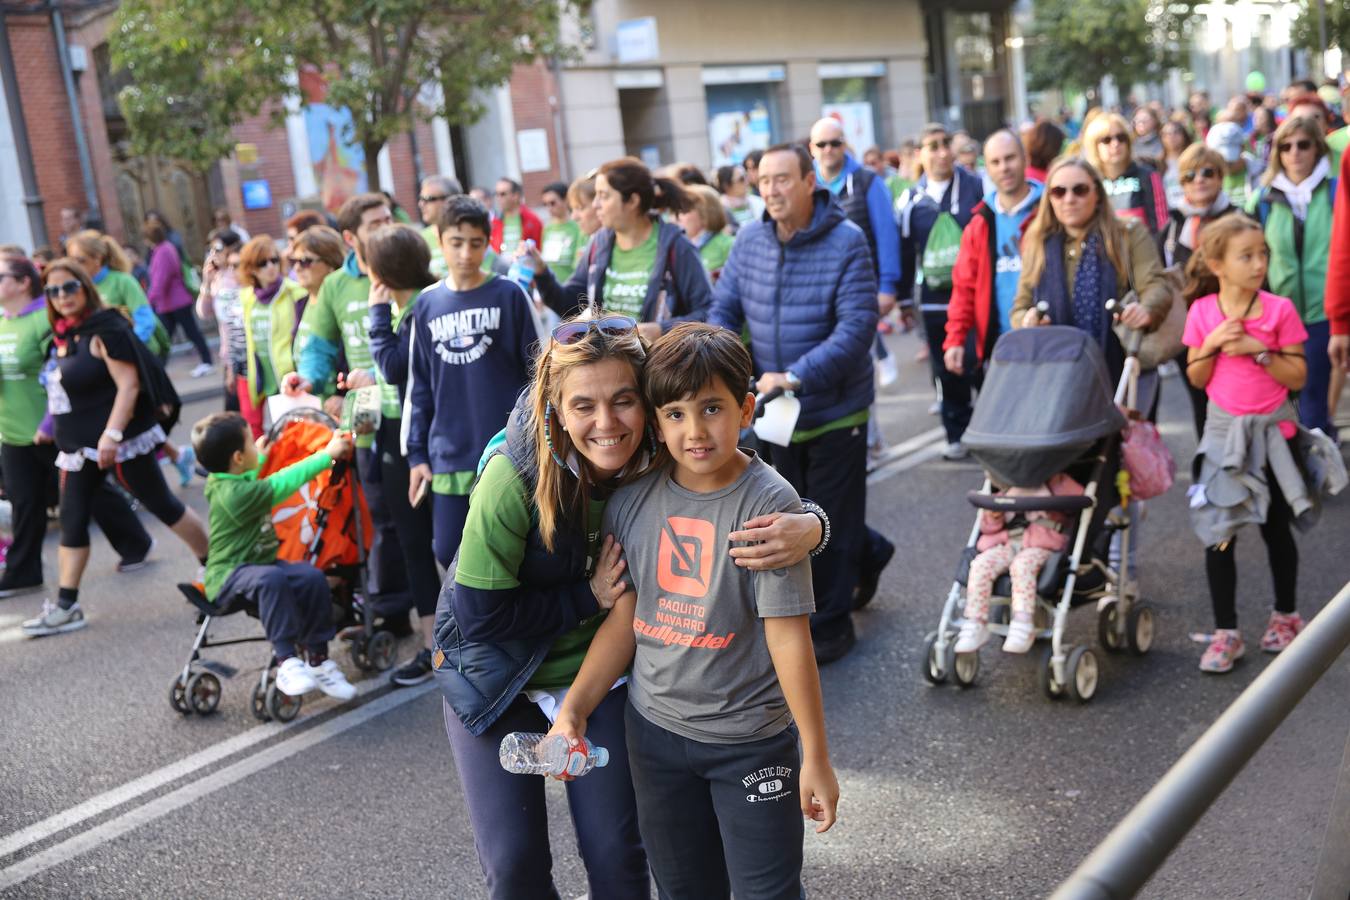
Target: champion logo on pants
x,y
768,783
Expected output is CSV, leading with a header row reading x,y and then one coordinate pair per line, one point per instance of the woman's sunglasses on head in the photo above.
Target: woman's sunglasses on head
x,y
1081,189
67,288
610,326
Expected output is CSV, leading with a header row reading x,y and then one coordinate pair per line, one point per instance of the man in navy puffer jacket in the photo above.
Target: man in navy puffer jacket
x,y
802,280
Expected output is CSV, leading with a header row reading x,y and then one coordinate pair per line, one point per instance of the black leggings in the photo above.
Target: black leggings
x,y
140,476
183,318
1221,564
413,526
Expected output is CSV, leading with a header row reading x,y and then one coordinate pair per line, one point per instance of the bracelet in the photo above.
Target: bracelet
x,y
114,433
815,509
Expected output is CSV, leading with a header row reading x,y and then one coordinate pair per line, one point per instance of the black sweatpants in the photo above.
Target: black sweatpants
x,y
185,319
294,604
832,471
957,390
1221,565
412,526
718,819
28,473
140,476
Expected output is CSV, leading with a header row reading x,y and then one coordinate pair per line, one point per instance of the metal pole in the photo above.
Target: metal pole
x,y
1321,39
1137,846
1333,865
9,80
77,121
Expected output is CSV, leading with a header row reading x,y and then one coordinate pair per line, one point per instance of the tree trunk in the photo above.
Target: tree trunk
x,y
372,152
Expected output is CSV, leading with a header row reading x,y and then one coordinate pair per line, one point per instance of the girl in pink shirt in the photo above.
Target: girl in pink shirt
x,y
1246,352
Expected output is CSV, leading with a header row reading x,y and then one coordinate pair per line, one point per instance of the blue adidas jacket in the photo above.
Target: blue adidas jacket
x,y
811,306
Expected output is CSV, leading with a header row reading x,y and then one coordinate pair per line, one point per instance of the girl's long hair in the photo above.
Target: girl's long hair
x,y
1047,224
1214,238
559,495
103,248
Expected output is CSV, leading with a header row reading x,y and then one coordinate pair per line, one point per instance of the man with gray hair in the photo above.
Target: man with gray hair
x,y
431,200
989,262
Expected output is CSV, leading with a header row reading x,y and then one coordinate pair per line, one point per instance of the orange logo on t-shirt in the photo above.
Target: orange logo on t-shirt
x,y
684,557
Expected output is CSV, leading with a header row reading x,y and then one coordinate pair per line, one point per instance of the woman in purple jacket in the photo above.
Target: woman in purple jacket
x,y
171,299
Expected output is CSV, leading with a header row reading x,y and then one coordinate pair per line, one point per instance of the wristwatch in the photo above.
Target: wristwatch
x,y
793,381
1262,358
113,433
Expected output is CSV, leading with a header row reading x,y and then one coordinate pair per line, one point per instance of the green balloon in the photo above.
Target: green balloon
x,y
1256,82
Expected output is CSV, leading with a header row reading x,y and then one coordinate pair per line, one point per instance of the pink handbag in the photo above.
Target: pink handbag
x,y
1150,464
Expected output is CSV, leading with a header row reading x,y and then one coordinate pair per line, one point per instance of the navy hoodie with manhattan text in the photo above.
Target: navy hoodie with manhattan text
x,y
470,355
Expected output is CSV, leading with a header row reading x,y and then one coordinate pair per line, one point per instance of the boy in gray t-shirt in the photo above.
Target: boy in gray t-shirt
x,y
723,673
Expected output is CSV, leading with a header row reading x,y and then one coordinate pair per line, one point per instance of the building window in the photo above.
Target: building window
x,y
741,117
855,102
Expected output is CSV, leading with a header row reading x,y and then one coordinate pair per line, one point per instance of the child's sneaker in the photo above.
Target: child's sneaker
x,y
55,620
973,636
328,676
294,677
1021,635
1280,630
1225,649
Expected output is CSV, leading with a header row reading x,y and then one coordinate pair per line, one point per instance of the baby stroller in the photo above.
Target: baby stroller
x,y
1047,407
326,524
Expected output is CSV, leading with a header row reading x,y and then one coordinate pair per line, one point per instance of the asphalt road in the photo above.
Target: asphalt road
x,y
986,793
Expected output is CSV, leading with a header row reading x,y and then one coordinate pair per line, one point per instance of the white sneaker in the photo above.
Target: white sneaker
x,y
973,636
328,676
955,451
55,620
935,407
295,678
202,369
1021,635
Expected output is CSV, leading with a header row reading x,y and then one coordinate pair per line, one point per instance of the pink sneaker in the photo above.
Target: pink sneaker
x,y
1225,649
1282,628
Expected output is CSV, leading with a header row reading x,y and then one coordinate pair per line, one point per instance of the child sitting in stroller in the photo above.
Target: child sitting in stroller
x,y
1020,548
293,599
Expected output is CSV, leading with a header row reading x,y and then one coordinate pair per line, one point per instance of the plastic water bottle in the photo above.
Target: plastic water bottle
x,y
522,271
524,753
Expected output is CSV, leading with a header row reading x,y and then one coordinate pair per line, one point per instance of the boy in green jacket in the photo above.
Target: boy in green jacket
x,y
293,599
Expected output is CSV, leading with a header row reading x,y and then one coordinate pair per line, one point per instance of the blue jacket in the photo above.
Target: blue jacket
x,y
811,306
489,643
678,270
885,236
917,214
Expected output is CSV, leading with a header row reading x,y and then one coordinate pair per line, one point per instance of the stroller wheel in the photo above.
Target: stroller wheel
x,y
381,651
1108,627
178,697
360,654
257,703
281,707
1139,629
1080,670
1052,688
966,668
203,692
935,670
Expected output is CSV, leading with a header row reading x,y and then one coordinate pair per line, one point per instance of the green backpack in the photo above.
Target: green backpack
x,y
939,254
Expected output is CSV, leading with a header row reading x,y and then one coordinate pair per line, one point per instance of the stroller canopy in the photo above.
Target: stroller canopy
x,y
1047,398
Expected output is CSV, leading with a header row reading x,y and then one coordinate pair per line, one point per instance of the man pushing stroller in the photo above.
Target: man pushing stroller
x,y
293,599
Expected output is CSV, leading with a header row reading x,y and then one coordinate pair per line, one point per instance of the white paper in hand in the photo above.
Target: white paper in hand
x,y
279,404
779,420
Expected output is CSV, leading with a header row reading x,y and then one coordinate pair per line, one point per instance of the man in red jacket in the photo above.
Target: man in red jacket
x,y
515,223
1337,297
984,279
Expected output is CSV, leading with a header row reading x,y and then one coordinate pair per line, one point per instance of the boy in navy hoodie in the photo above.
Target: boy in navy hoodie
x,y
470,352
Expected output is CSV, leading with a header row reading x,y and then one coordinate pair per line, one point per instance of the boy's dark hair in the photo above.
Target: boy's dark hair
x,y
217,438
349,216
557,187
399,257
689,357
464,210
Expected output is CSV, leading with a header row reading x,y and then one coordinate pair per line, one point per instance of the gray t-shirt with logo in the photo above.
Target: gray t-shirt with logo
x,y
702,669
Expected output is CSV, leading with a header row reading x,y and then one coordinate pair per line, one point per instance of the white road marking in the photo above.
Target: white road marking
x,y
891,454
189,793
97,805
905,463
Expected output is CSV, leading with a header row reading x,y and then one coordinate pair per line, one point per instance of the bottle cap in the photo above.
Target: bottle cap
x,y
601,757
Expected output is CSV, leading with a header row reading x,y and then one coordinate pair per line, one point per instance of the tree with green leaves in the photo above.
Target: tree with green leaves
x,y
1306,33
1074,45
198,69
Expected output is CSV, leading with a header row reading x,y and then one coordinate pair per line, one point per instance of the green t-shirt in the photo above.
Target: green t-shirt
x,y
120,289
510,232
562,245
23,349
493,548
897,186
261,325
715,251
627,277
1337,141
240,522
433,239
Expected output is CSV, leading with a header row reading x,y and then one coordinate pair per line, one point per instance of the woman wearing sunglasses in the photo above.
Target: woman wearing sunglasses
x,y
105,393
1294,207
1135,190
1175,139
268,302
218,300
531,583
636,265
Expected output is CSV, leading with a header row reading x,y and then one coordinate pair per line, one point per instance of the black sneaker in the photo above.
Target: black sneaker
x,y
836,646
13,589
132,563
414,671
870,575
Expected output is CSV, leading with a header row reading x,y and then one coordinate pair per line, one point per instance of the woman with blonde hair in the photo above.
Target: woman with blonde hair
x,y
268,301
529,592
1134,189
1293,206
